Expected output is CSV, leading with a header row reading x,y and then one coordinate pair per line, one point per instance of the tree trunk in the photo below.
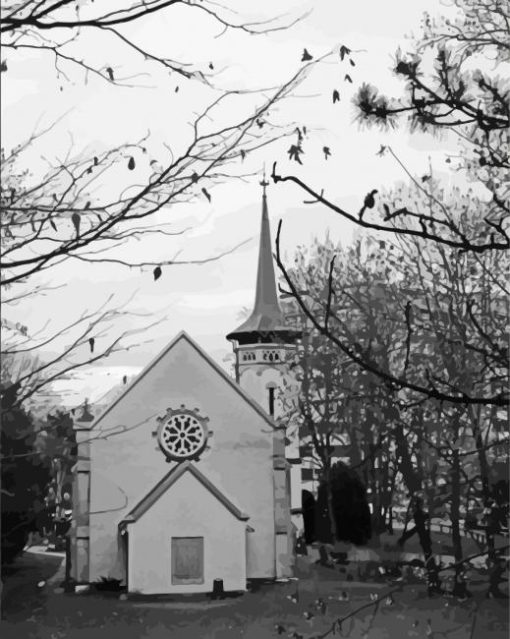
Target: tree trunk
x,y
459,586
390,520
494,563
388,486
420,521
413,483
331,510
388,515
377,518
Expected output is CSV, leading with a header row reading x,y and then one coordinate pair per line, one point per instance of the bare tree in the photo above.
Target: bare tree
x,y
443,96
58,217
59,28
455,354
93,207
93,336
438,317
337,409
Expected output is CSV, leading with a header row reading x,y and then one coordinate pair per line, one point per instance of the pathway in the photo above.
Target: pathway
x,y
26,581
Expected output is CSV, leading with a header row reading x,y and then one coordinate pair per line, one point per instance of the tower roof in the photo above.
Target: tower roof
x,y
266,322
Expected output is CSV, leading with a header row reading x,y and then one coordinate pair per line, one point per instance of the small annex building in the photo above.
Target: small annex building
x,y
183,479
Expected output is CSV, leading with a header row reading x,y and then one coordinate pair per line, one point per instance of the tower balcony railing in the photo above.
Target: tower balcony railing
x,y
265,354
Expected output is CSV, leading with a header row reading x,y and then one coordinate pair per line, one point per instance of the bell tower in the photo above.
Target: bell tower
x,y
263,347
263,344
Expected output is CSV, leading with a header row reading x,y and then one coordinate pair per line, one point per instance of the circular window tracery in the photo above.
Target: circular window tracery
x,y
182,435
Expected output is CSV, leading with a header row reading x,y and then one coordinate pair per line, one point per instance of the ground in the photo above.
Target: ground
x,y
44,612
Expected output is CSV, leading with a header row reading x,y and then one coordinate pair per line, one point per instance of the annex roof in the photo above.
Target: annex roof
x,y
168,481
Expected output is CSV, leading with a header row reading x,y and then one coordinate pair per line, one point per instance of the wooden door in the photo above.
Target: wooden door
x,y
187,560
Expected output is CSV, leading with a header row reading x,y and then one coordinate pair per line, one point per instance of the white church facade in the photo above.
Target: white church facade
x,y
183,479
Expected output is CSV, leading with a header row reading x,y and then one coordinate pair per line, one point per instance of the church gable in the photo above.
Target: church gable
x,y
181,342
169,483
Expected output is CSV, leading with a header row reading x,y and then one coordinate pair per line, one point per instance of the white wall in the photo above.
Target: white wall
x,y
187,509
295,485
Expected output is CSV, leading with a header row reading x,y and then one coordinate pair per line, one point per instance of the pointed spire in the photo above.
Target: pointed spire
x,y
266,322
266,297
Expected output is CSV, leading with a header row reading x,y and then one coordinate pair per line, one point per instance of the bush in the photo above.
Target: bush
x,y
350,508
108,584
24,475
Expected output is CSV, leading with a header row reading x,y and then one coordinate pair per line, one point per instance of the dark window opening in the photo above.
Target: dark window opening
x,y
271,400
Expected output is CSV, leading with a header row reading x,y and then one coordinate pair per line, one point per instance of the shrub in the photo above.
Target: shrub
x,y
350,507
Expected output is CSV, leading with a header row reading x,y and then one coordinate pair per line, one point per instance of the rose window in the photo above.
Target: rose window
x,y
182,435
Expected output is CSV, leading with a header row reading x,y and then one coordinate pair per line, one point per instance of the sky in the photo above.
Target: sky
x,y
207,300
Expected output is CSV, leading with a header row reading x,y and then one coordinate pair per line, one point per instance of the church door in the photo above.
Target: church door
x,y
187,560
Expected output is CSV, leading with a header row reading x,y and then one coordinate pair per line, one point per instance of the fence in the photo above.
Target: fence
x,y
446,529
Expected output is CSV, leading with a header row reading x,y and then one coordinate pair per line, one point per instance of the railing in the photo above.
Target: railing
x,y
267,354
476,533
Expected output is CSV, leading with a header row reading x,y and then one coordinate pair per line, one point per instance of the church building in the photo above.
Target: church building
x,y
183,478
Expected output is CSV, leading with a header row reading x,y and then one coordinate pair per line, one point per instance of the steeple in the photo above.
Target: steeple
x,y
266,323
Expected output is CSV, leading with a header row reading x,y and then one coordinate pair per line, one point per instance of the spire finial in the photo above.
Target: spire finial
x,y
264,182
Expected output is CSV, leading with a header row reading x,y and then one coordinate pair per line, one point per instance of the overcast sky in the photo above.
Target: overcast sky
x,y
206,300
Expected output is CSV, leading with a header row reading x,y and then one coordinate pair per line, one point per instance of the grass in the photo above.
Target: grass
x,y
268,612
